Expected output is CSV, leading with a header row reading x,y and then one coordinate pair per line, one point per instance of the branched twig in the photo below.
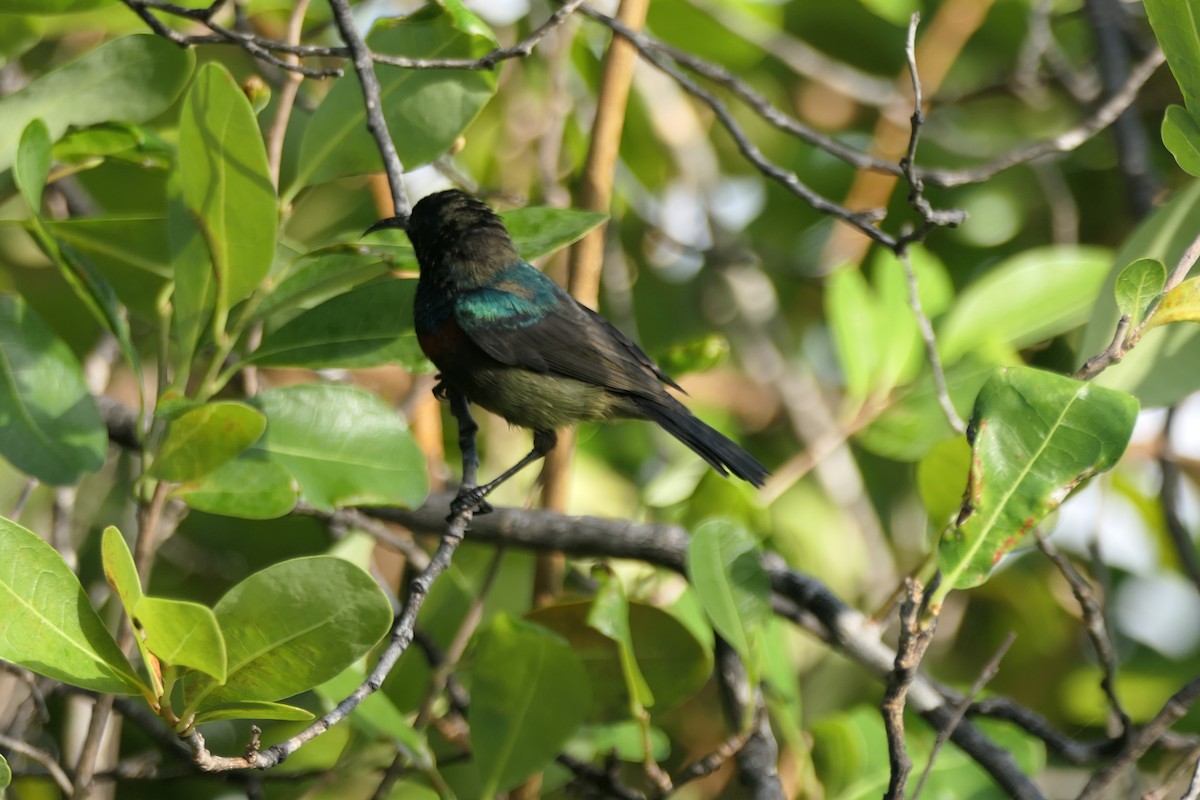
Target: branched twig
x,y
1096,626
602,782
1064,142
915,638
373,104
48,762
943,735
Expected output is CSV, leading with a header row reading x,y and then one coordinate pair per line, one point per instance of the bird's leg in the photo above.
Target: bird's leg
x,y
543,443
467,428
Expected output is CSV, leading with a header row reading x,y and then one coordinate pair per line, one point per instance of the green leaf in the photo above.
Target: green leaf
x,y
5,773
132,79
529,693
245,488
1181,304
33,163
673,662
49,625
90,146
724,567
851,308
52,428
322,275
250,709
119,569
941,475
1037,436
201,440
182,634
365,327
18,36
1181,135
226,182
610,616
540,230
1028,298
130,253
896,12
426,109
343,445
1177,27
1138,287
627,738
195,294
1161,369
290,627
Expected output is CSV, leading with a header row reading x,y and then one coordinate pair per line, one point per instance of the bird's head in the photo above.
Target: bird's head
x,y
457,237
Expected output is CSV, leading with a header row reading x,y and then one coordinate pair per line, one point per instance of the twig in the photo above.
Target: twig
x,y
56,772
26,492
915,638
931,351
606,782
1193,791
708,764
1096,626
943,735
287,94
1168,501
1175,707
1064,142
148,536
402,632
85,768
864,221
376,123
758,754
1108,356
353,518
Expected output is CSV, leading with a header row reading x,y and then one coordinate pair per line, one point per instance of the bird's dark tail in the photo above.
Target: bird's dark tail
x,y
722,454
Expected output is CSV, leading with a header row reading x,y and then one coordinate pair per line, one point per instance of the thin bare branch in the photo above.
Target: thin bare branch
x,y
48,762
915,637
931,350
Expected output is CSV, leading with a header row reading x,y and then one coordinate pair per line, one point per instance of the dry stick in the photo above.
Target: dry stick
x,y
1193,791
587,256
286,95
1096,627
758,756
1175,707
943,735
915,639
56,772
373,104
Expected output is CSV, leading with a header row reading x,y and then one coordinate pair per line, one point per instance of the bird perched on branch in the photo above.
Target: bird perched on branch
x,y
511,340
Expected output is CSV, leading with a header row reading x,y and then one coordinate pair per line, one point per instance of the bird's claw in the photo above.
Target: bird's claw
x,y
469,500
440,390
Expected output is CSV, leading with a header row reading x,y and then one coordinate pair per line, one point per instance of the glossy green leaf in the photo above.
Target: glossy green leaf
x,y
119,569
182,634
202,439
132,79
1177,29
33,163
323,275
131,254
250,709
723,566
1181,304
529,693
5,773
49,625
1037,436
1161,369
1138,287
1028,298
195,294
1181,135
292,626
121,140
343,445
226,183
379,717
610,616
365,327
52,428
244,487
626,738
426,110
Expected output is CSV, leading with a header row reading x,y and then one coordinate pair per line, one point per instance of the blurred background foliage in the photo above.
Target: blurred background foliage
x,y
780,322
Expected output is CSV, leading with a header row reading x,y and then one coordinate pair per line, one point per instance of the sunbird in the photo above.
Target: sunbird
x,y
511,340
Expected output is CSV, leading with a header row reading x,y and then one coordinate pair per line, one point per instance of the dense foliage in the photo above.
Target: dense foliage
x,y
224,466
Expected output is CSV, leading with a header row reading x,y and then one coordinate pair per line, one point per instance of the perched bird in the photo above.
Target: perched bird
x,y
511,340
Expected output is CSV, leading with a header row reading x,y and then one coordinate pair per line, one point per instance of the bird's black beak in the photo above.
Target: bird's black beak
x,y
387,222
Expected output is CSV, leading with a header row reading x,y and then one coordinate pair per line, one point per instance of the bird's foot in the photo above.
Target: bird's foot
x,y
469,500
440,390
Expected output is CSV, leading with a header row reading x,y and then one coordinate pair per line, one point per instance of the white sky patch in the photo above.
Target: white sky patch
x,y
1162,612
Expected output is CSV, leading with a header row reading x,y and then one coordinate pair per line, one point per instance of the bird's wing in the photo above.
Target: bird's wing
x,y
526,320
